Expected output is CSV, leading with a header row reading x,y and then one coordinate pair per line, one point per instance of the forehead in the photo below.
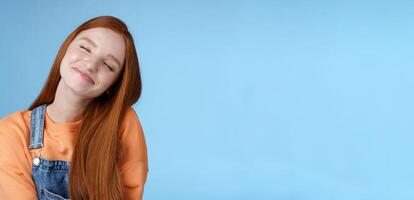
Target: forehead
x,y
107,41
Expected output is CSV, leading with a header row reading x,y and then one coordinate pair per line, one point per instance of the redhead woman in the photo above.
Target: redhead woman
x,y
80,138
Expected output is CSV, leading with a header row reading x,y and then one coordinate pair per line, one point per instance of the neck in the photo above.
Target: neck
x,y
67,106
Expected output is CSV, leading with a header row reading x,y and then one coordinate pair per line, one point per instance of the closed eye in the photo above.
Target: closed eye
x,y
85,48
109,67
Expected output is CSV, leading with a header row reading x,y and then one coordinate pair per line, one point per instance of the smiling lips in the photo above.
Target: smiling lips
x,y
84,75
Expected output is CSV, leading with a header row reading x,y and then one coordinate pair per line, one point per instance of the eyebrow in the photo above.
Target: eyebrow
x,y
88,40
94,45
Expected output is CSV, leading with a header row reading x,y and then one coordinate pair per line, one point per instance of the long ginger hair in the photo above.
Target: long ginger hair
x,y
94,172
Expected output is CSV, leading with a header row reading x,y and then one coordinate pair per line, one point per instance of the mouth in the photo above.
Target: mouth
x,y
84,75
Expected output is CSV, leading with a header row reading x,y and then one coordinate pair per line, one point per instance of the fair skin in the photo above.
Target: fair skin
x,y
92,63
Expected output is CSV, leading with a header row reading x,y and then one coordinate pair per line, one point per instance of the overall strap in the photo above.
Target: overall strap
x,y
37,122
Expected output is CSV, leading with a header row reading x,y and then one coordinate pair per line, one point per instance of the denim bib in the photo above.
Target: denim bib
x,y
49,176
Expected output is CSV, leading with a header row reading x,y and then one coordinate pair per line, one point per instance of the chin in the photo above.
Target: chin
x,y
77,88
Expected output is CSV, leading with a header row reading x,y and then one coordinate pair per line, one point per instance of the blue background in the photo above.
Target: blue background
x,y
249,99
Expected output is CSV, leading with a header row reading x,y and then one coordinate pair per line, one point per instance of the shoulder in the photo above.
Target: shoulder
x,y
130,122
15,127
17,121
130,114
133,145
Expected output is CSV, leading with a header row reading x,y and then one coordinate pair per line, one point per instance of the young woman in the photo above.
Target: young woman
x,y
80,139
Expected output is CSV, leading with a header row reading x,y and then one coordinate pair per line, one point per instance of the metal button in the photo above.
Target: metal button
x,y
36,161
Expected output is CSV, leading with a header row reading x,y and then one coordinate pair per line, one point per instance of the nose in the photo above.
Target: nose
x,y
92,64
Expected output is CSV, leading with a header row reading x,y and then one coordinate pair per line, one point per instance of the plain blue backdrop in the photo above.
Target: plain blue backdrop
x,y
295,100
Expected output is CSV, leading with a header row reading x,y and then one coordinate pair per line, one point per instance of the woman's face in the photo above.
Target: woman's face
x,y
93,61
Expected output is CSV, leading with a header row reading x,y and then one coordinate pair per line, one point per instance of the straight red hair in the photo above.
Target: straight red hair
x,y
94,172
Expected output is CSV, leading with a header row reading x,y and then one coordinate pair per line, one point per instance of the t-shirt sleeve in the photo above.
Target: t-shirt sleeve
x,y
134,162
15,171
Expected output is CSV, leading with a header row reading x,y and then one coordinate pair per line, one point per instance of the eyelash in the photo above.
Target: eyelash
x,y
109,67
85,48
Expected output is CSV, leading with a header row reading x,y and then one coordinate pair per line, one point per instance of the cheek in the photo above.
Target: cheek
x,y
72,56
63,66
67,61
107,79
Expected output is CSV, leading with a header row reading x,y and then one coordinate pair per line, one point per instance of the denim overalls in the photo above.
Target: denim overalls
x,y
49,176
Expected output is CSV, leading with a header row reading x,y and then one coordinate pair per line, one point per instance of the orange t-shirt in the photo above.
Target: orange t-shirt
x,y
16,159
